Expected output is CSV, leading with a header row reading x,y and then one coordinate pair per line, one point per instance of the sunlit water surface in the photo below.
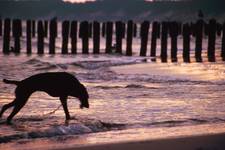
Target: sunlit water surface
x,y
130,97
125,93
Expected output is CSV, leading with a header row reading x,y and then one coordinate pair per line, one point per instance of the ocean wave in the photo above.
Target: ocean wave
x,y
85,126
33,61
39,65
80,126
135,86
92,65
160,79
188,121
50,67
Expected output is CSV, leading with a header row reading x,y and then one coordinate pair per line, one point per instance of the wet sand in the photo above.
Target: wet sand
x,y
200,142
199,137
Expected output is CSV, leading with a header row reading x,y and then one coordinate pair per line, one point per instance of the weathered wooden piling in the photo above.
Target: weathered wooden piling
x,y
164,36
17,33
65,36
33,28
84,35
223,42
211,30
198,33
174,32
134,30
90,29
179,28
155,35
186,42
46,28
109,32
6,36
0,27
28,36
73,35
52,35
40,37
123,30
96,37
119,36
103,29
219,28
144,37
130,26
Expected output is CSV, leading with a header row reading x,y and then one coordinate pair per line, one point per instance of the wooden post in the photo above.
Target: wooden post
x,y
174,32
103,29
40,36
90,29
211,32
46,28
33,28
119,36
144,37
164,36
52,35
186,42
155,35
129,37
17,33
28,36
0,27
219,27
223,43
179,28
73,35
109,32
123,29
198,33
6,36
134,30
96,37
84,34
65,36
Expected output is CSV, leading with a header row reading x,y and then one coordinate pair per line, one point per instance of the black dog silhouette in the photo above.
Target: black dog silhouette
x,y
56,84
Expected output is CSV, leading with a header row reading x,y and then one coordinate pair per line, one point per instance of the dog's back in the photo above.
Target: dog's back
x,y
53,83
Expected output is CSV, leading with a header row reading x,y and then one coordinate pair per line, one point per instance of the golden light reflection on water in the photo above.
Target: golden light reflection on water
x,y
193,71
142,94
139,134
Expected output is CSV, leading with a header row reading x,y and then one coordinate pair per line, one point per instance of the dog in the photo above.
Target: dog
x,y
56,84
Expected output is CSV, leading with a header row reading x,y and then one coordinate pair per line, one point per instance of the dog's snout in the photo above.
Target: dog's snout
x,y
84,106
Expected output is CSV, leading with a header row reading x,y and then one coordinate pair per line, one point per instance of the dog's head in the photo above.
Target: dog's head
x,y
83,97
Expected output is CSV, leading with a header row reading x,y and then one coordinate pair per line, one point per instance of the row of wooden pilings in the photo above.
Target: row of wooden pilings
x,y
160,30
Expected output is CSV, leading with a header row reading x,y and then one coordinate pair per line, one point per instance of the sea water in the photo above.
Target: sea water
x,y
129,96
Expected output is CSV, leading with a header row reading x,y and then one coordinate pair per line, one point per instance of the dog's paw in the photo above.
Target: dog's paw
x,y
67,122
73,118
9,123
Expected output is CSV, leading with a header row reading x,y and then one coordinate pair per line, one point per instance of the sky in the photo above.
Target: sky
x,y
82,1
78,1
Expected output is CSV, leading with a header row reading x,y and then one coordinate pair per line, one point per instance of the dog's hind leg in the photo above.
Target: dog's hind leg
x,y
19,103
65,108
6,106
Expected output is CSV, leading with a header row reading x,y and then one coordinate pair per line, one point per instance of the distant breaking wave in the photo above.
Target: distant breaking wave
x,y
93,126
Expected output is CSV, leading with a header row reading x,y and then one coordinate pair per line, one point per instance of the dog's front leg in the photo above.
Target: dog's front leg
x,y
65,108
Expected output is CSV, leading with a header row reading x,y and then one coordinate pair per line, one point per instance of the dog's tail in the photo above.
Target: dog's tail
x,y
11,81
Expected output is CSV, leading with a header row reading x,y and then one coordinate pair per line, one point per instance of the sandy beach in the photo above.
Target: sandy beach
x,y
200,137
203,142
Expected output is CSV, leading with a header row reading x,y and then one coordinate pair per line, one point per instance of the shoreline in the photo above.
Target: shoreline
x,y
199,142
198,137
